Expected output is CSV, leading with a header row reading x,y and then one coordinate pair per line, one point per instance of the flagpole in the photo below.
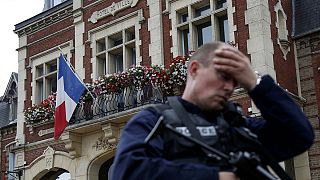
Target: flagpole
x,y
70,65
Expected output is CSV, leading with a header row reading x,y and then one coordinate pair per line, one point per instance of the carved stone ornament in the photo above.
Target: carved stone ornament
x,y
103,144
112,9
48,153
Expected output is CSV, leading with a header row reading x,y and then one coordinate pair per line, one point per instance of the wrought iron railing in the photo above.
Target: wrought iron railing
x,y
108,104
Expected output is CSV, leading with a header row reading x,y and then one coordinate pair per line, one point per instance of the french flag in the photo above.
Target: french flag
x,y
69,90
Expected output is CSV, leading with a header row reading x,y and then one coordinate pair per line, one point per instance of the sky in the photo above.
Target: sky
x,y
13,12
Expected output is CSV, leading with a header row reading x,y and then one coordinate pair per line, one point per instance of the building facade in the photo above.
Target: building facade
x,y
307,42
8,126
104,37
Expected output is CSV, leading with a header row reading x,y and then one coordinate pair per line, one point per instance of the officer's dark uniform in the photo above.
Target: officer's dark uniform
x,y
285,132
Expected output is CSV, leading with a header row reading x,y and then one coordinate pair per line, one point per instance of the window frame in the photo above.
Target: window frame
x,y
130,23
180,9
43,59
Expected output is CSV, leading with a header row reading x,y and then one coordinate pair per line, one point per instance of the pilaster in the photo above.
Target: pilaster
x,y
155,29
260,46
79,43
22,55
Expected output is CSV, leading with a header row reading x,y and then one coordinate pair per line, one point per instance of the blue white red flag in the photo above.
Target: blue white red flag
x,y
69,90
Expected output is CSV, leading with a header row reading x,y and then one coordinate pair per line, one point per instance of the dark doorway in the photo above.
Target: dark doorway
x,y
104,169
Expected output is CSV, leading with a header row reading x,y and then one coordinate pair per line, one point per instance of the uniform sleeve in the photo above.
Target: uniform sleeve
x,y
136,160
285,130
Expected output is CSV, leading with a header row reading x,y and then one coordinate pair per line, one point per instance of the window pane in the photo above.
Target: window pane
x,y
39,70
39,91
219,3
115,40
51,67
182,15
185,41
130,34
131,57
53,85
204,33
11,166
101,66
119,63
184,18
202,11
223,28
116,63
101,45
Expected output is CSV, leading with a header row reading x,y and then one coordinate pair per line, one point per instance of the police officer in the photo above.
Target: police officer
x,y
214,71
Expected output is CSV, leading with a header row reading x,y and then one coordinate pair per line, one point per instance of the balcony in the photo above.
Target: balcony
x,y
110,105
115,99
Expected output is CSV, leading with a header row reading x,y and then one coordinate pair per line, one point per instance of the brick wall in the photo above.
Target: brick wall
x,y
32,154
285,68
242,33
167,39
308,58
7,136
32,135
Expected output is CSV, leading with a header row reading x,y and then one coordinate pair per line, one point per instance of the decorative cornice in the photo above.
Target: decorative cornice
x,y
36,145
44,22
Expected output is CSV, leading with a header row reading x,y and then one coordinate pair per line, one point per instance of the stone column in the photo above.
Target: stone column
x,y
155,29
22,54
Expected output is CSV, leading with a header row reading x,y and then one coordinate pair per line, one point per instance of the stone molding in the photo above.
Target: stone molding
x,y
73,143
112,10
283,42
43,23
48,154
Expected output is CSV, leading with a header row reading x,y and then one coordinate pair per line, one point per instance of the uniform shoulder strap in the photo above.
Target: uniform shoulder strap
x,y
159,108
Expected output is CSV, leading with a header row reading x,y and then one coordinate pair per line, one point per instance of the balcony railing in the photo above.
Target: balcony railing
x,y
108,104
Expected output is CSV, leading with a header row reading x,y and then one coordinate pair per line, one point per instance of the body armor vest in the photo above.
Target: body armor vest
x,y
227,134
218,135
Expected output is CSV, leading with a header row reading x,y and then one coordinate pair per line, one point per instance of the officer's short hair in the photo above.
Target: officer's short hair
x,y
205,53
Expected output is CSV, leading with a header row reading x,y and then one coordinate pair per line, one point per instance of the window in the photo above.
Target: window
x,y
204,32
223,28
200,23
46,80
116,52
219,3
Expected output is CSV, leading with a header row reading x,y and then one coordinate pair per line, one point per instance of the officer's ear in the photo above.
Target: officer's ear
x,y
193,68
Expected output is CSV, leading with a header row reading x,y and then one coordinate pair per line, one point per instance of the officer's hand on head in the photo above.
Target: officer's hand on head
x,y
227,176
233,62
